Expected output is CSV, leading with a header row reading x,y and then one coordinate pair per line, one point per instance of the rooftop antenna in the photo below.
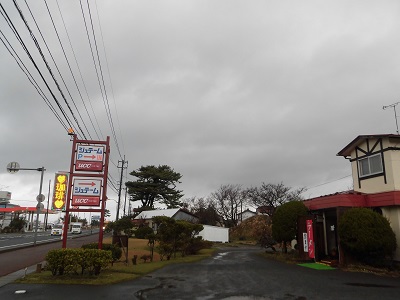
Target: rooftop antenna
x,y
395,115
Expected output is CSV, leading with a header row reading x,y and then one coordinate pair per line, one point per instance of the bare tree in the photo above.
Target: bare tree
x,y
271,196
227,202
203,209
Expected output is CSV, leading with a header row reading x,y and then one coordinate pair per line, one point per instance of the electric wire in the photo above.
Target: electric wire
x,y
105,99
48,67
83,81
318,185
32,80
69,65
109,77
52,57
15,31
91,47
65,121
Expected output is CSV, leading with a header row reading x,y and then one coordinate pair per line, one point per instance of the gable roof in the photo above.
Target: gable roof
x,y
246,211
171,212
346,151
149,214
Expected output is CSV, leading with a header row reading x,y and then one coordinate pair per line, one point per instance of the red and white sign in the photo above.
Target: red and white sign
x,y
85,201
86,192
310,239
89,158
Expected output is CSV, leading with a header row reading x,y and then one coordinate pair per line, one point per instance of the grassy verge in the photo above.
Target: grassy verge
x,y
119,271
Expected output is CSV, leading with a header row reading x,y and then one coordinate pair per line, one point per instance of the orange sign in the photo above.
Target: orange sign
x,y
60,191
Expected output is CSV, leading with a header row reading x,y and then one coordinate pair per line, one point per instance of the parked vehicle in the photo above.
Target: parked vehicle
x,y
57,229
76,227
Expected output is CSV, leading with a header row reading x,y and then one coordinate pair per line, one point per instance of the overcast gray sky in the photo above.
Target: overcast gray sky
x,y
223,91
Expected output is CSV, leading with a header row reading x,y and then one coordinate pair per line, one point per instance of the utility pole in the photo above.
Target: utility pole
x,y
122,167
395,115
126,189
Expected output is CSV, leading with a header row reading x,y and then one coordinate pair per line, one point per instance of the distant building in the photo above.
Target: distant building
x,y
265,210
246,214
147,216
9,211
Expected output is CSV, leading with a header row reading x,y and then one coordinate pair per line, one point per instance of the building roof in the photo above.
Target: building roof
x,y
171,212
354,199
24,209
346,151
247,211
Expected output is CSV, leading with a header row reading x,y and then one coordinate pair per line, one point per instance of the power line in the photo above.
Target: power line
x,y
15,31
66,59
83,81
61,113
32,80
48,67
109,77
105,100
318,185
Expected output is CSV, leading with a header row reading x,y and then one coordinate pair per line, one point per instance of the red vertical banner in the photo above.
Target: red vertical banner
x,y
310,239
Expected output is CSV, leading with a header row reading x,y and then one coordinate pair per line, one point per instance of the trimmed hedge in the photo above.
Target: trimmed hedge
x,y
115,250
75,261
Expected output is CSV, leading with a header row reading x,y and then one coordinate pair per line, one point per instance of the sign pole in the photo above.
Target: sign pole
x,y
66,217
38,206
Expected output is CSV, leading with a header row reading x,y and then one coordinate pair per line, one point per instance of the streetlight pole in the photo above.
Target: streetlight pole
x,y
14,167
38,205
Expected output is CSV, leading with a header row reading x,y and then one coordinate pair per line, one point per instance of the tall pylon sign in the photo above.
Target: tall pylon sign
x,y
87,182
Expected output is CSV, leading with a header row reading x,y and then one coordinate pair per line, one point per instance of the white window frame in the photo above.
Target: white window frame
x,y
368,172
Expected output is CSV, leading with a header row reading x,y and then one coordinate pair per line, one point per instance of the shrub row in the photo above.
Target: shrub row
x,y
75,261
116,251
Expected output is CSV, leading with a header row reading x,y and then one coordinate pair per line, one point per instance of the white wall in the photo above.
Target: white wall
x,y
392,213
215,234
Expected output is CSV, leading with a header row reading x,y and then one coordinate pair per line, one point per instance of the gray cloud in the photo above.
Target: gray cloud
x,y
222,91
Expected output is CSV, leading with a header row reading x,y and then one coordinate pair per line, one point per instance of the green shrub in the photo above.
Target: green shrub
x,y
196,244
142,232
61,261
284,221
115,250
366,235
97,260
68,261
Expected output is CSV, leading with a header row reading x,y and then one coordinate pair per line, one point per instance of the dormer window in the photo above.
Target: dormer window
x,y
370,165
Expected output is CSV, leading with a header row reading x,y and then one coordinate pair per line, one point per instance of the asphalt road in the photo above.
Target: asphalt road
x,y
16,240
234,274
18,259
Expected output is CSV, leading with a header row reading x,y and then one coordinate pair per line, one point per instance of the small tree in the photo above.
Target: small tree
x,y
17,223
175,235
124,225
284,221
366,235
